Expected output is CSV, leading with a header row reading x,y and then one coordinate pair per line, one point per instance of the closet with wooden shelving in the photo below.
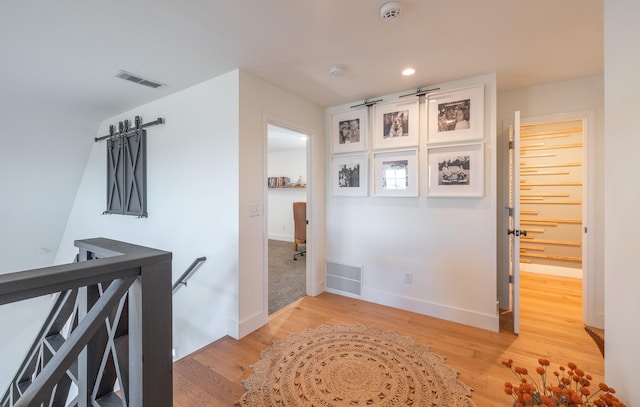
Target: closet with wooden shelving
x,y
551,186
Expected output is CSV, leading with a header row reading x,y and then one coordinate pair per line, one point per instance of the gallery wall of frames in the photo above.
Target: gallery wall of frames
x,y
375,147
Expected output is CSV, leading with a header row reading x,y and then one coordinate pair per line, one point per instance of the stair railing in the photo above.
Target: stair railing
x,y
182,281
107,338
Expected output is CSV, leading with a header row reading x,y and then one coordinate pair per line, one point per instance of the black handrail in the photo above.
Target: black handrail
x,y
187,274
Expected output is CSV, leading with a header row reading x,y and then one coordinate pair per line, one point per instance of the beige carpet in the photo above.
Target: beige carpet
x,y
352,365
287,277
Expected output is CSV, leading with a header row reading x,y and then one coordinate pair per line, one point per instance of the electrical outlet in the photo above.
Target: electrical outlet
x,y
408,277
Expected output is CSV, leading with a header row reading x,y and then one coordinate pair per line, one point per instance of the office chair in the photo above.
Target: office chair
x,y
300,228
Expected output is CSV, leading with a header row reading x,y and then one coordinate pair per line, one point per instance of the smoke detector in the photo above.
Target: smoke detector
x,y
390,11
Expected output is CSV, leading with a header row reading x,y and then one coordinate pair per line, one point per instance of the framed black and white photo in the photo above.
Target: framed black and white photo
x,y
396,173
397,124
349,175
456,170
456,115
349,130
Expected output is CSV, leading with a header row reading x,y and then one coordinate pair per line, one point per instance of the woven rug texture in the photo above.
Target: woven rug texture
x,y
352,365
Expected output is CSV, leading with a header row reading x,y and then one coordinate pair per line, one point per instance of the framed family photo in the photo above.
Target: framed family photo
x,y
396,173
456,115
397,124
456,170
349,175
349,130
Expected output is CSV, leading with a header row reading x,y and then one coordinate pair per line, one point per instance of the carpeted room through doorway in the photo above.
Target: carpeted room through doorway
x,y
287,277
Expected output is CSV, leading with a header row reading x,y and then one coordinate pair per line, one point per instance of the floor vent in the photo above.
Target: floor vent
x,y
343,278
128,76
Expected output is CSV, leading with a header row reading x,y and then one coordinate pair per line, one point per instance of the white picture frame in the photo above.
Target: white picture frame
x,y
456,115
455,170
350,175
350,130
397,124
396,173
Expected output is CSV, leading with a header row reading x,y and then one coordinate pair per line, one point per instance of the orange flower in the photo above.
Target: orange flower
x,y
533,393
575,398
544,362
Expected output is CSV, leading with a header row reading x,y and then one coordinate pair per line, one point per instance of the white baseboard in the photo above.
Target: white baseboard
x,y
284,238
461,316
551,270
249,325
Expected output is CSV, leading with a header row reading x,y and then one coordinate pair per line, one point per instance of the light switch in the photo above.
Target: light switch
x,y
254,210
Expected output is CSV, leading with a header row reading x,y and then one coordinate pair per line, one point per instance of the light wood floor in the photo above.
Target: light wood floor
x,y
551,327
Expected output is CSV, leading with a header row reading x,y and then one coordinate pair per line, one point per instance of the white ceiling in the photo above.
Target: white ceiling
x,y
63,54
283,139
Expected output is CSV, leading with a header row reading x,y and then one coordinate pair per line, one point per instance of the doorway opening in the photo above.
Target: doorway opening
x,y
552,174
286,233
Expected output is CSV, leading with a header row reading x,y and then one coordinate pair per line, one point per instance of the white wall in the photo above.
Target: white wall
x,y
192,203
449,244
262,103
292,164
622,198
39,177
581,95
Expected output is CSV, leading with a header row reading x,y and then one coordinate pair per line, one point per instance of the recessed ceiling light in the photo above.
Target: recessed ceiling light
x,y
336,70
408,71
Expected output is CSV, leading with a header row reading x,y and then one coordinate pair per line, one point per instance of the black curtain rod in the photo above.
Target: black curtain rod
x,y
419,92
367,102
124,128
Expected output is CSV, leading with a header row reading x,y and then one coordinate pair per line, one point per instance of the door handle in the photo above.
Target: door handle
x,y
516,232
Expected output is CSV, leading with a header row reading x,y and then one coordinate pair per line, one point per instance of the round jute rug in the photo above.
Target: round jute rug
x,y
352,365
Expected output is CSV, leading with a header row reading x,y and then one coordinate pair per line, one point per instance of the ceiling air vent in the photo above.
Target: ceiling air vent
x,y
138,79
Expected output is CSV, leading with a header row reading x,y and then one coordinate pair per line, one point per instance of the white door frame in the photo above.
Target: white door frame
x,y
514,204
590,316
311,271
